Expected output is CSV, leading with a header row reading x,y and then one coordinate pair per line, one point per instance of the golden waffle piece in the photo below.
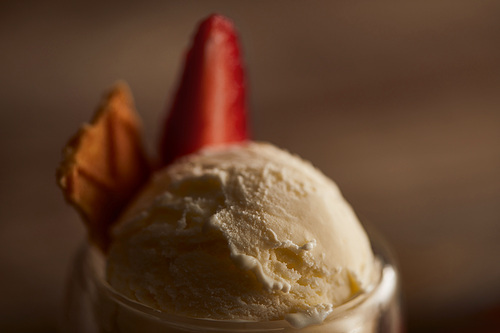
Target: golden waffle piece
x,y
105,164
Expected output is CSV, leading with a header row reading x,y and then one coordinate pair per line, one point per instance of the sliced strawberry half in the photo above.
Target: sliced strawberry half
x,y
210,105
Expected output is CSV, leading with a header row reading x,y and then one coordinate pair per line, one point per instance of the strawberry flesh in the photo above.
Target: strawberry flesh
x,y
210,105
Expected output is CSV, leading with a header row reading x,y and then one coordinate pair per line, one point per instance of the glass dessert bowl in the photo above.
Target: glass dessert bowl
x,y
93,306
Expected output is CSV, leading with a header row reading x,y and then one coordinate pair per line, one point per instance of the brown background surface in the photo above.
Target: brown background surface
x,y
398,102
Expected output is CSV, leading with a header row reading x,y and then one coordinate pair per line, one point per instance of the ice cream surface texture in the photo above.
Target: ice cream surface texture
x,y
247,232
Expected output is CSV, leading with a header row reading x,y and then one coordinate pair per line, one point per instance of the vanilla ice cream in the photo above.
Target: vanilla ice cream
x,y
247,232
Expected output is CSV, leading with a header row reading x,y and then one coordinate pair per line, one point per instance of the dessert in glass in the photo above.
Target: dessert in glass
x,y
222,233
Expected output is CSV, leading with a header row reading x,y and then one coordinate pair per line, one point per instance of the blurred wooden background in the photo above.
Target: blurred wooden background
x,y
398,102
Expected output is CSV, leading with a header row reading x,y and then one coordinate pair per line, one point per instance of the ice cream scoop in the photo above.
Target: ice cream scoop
x,y
248,232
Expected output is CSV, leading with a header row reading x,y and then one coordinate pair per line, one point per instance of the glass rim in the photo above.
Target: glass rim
x,y
380,294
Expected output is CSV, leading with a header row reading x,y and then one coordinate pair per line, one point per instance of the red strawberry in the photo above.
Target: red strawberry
x,y
210,106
